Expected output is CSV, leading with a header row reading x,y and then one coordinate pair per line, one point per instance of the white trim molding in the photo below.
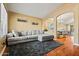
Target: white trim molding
x,y
2,51
76,44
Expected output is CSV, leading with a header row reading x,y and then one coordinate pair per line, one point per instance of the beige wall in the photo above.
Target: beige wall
x,y
13,24
46,23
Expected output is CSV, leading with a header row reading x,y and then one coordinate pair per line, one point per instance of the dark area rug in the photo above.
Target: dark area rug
x,y
33,48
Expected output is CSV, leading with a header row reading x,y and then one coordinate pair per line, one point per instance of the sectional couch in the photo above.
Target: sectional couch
x,y
16,37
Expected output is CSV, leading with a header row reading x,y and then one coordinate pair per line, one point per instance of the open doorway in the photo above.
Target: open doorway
x,y
65,25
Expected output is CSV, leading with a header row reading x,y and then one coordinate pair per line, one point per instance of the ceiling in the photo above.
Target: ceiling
x,y
66,18
39,10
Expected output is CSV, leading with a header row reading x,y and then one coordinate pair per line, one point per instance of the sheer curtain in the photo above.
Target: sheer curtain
x,y
3,23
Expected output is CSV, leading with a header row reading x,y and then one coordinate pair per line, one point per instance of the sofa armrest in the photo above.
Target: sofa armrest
x,y
9,35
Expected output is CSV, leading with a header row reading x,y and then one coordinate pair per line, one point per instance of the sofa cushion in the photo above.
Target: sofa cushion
x,y
19,33
26,33
21,39
9,35
34,32
41,32
29,32
23,33
38,32
17,38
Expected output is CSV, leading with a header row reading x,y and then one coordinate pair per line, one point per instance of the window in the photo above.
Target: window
x,y
3,21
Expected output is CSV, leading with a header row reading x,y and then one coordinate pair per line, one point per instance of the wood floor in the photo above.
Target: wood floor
x,y
76,50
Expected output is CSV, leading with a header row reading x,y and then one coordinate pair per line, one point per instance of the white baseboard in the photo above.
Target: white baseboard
x,y
2,51
76,44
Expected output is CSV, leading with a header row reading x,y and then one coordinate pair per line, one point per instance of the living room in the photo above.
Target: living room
x,y
38,24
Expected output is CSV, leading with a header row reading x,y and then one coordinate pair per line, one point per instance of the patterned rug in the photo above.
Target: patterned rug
x,y
33,48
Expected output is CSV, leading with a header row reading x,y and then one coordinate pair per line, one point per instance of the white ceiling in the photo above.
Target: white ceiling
x,y
66,18
39,10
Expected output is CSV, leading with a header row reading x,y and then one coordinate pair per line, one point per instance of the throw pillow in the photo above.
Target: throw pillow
x,y
15,33
23,33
